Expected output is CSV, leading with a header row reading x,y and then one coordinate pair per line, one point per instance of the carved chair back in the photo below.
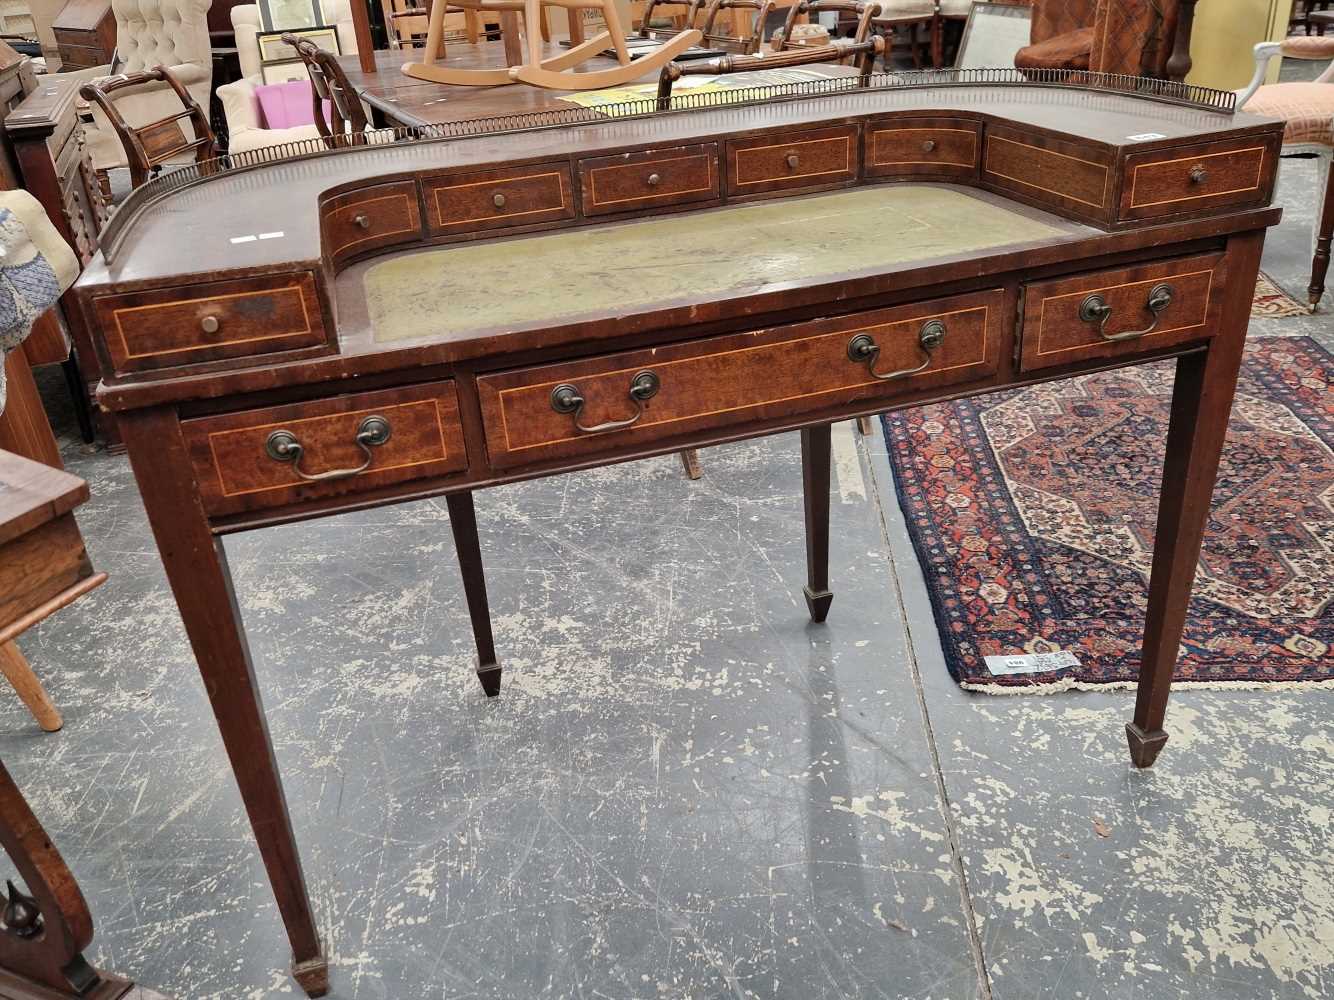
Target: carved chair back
x,y
328,83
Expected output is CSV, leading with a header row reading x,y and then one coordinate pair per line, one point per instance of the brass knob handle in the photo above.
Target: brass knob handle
x,y
362,220
654,180
567,399
209,324
1095,309
792,161
929,146
283,446
1198,175
863,350
498,200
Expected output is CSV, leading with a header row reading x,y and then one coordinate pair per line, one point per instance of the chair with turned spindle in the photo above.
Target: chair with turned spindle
x,y
330,89
743,44
862,11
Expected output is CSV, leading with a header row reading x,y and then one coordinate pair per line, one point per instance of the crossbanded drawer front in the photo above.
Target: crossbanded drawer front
x,y
377,216
659,177
1049,172
170,327
495,199
923,146
1120,312
1198,178
266,457
782,160
530,415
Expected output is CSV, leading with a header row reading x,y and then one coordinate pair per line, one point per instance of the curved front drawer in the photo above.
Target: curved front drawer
x,y
531,415
236,470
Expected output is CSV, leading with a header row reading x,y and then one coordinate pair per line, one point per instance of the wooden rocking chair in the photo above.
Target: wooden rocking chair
x,y
552,73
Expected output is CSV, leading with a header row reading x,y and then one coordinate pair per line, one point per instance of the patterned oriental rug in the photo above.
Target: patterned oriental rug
x,y
1032,514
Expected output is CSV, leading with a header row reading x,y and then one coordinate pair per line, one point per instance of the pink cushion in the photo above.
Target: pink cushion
x,y
283,105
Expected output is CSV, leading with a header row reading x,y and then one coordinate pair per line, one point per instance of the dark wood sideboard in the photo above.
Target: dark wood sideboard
x,y
85,33
288,340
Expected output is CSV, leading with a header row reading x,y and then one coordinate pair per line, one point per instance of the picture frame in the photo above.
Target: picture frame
x,y
993,34
273,49
290,15
283,72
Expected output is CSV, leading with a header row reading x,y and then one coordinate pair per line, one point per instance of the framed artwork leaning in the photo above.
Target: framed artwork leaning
x,y
993,34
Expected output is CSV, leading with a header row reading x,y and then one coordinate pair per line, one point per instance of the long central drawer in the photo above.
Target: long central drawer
x,y
632,397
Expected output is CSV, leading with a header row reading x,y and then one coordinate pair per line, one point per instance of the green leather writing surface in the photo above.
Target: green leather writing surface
x,y
735,250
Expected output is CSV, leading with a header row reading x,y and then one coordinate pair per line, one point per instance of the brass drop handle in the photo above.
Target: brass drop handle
x,y
862,349
498,200
1198,175
654,180
792,161
567,399
209,324
1095,309
283,446
361,220
929,146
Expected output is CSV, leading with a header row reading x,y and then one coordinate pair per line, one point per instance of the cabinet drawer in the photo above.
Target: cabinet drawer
x,y
923,146
235,455
1059,328
743,378
649,180
1049,172
493,199
783,160
377,216
168,327
1197,178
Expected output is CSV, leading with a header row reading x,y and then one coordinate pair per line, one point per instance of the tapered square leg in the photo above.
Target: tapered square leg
x,y
1202,395
815,449
463,522
312,975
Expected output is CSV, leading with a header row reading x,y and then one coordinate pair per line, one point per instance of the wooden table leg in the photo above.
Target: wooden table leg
x,y
463,521
19,673
201,582
1201,401
575,20
509,38
815,458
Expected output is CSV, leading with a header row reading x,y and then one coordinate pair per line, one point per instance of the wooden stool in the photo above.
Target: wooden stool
x,y
43,565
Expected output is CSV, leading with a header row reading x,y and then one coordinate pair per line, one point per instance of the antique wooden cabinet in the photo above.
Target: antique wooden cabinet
x,y
85,33
486,302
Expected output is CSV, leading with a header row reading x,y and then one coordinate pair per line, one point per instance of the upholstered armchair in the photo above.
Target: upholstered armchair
x,y
150,33
246,128
1307,110
1134,37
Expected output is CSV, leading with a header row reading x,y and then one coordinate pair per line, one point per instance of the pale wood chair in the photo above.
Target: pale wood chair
x,y
1307,110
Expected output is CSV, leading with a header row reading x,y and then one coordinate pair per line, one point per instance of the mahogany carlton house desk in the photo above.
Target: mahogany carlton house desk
x,y
486,302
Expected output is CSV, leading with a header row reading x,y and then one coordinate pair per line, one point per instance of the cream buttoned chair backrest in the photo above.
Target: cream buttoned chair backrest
x,y
153,33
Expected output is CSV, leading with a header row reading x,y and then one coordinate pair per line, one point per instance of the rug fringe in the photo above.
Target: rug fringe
x,y
1072,684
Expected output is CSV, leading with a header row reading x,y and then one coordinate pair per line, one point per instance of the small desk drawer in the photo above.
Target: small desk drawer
x,y
1049,172
1151,306
169,327
635,397
495,199
651,179
923,146
377,216
1197,178
783,160
257,458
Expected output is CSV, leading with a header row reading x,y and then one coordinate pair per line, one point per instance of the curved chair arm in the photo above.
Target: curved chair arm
x,y
1296,47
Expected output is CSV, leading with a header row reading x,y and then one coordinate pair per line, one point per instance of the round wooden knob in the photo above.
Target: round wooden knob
x,y
498,200
654,180
209,324
1198,175
792,161
362,220
929,146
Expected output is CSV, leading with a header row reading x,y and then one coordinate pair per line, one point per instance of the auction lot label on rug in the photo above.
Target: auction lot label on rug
x,y
1030,663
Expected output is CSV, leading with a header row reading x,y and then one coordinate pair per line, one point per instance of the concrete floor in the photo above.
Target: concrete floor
x,y
686,790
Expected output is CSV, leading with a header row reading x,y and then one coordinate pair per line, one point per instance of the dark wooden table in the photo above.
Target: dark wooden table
x,y
1044,232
